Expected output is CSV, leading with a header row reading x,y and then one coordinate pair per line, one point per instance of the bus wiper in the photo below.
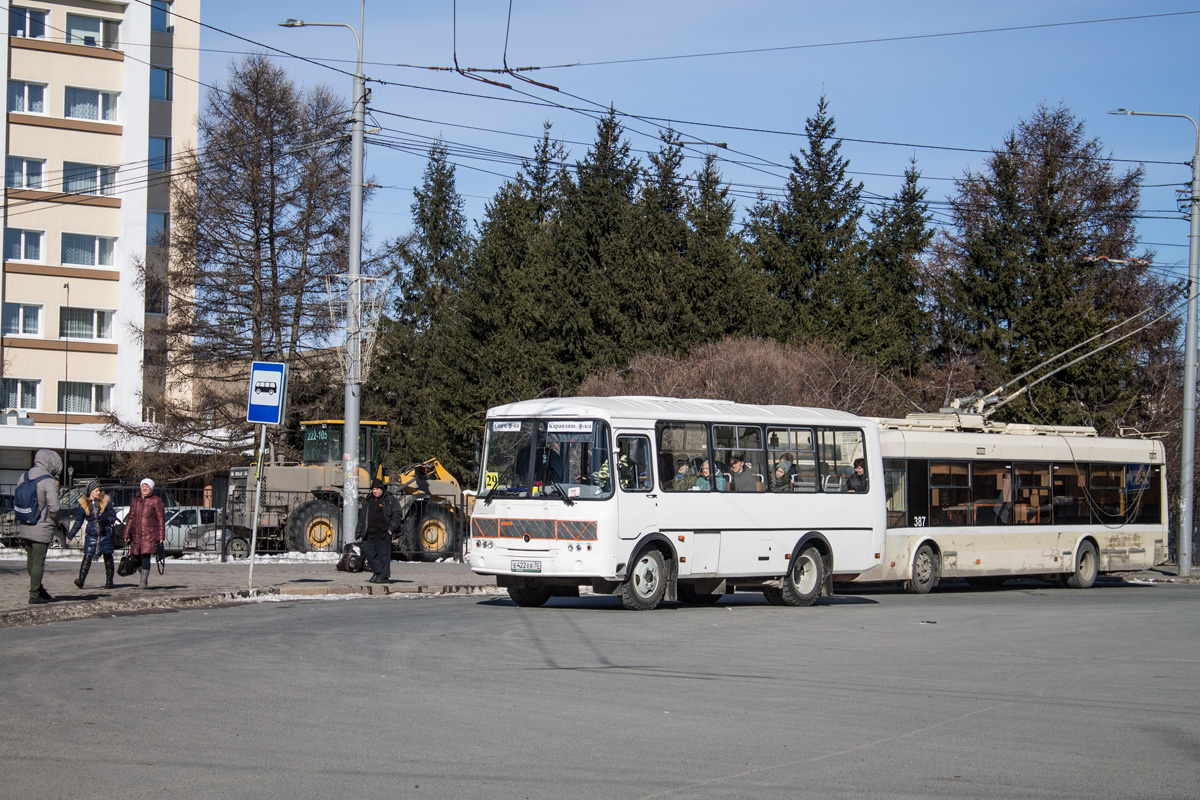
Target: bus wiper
x,y
562,493
499,480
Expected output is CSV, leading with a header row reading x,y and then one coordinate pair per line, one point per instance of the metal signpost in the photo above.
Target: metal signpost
x,y
268,397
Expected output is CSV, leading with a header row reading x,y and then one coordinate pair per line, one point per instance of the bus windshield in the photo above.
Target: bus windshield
x,y
547,458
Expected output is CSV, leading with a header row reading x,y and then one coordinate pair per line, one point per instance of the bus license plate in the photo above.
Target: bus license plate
x,y
526,566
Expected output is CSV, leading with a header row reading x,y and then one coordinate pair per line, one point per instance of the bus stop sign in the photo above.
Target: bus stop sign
x,y
268,393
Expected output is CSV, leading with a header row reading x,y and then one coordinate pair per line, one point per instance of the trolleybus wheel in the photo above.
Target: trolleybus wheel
x,y
530,596
688,594
1086,567
647,582
924,571
802,583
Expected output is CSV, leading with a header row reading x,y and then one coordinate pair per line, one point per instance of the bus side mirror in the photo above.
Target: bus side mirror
x,y
478,454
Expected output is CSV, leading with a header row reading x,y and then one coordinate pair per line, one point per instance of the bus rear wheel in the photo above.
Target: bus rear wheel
x,y
530,596
924,571
1086,567
805,575
647,581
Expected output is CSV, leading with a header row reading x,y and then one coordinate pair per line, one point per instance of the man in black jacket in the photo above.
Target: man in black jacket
x,y
378,520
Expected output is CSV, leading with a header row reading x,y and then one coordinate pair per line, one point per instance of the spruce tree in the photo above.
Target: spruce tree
x,y
809,244
900,234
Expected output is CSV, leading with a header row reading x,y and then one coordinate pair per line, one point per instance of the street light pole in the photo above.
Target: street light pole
x,y
1188,445
353,330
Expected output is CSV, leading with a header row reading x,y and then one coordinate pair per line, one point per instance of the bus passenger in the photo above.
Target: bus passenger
x,y
704,482
741,477
858,481
685,476
782,481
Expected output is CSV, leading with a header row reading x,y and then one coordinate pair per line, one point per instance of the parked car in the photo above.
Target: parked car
x,y
211,539
181,521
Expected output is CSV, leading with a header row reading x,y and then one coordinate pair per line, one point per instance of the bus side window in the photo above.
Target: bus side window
x,y
633,463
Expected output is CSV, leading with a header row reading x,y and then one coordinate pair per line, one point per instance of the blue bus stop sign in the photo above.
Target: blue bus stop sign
x,y
268,393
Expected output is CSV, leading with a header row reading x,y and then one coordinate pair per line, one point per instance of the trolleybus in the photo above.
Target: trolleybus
x,y
658,499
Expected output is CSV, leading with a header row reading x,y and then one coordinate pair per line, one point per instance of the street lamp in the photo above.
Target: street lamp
x,y
353,329
1188,445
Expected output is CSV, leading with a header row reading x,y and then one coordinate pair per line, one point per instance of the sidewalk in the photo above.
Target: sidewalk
x,y
205,583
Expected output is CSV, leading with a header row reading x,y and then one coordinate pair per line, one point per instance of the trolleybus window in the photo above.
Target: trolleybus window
x,y
1070,500
1143,488
894,475
949,493
991,493
1032,501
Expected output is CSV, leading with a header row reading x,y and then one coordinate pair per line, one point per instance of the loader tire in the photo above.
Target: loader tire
x,y
433,532
314,527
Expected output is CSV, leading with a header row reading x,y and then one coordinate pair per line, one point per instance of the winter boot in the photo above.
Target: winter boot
x,y
84,566
145,577
108,572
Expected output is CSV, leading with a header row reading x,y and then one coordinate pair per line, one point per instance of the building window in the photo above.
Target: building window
x,y
90,104
160,153
21,319
88,178
19,393
23,173
84,398
26,98
156,296
22,245
156,227
26,23
160,16
87,251
84,323
92,31
160,83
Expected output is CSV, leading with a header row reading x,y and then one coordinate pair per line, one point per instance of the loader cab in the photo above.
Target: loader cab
x,y
323,443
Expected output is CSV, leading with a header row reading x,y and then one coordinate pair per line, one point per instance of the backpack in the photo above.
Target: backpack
x,y
352,558
25,499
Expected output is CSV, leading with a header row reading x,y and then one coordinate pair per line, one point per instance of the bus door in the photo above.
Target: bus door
x,y
637,493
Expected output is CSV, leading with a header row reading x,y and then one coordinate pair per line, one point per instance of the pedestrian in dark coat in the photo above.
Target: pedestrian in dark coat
x,y
37,537
99,515
144,528
378,519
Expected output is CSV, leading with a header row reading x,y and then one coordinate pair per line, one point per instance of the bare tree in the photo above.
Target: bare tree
x,y
259,227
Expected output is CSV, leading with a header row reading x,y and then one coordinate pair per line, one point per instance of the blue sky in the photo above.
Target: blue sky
x,y
919,93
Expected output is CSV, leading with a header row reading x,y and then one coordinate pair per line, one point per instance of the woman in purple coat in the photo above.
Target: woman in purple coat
x,y
144,528
99,515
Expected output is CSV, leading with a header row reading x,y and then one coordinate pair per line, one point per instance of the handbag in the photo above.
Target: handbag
x,y
160,558
129,565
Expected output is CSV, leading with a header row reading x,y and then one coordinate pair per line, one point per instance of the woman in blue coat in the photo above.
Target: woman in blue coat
x,y
99,515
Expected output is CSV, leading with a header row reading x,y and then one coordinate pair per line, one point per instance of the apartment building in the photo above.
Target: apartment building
x,y
101,97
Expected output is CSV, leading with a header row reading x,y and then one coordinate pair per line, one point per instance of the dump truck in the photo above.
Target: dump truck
x,y
301,504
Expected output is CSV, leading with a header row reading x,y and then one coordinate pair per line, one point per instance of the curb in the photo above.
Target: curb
x,y
41,615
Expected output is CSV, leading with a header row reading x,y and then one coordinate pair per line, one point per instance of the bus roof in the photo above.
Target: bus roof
x,y
670,408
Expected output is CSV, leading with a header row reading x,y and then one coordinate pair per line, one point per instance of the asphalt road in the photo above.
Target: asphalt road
x,y
1025,692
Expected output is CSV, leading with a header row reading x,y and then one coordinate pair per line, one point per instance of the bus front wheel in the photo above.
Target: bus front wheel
x,y
924,571
1086,567
647,582
806,574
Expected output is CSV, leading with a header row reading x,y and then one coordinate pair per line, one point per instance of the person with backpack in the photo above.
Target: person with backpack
x,y
144,528
36,507
99,515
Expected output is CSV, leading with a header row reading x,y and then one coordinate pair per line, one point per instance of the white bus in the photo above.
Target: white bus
x,y
659,498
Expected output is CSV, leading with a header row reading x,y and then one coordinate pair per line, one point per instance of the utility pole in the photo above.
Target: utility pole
x,y
1187,466
353,328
